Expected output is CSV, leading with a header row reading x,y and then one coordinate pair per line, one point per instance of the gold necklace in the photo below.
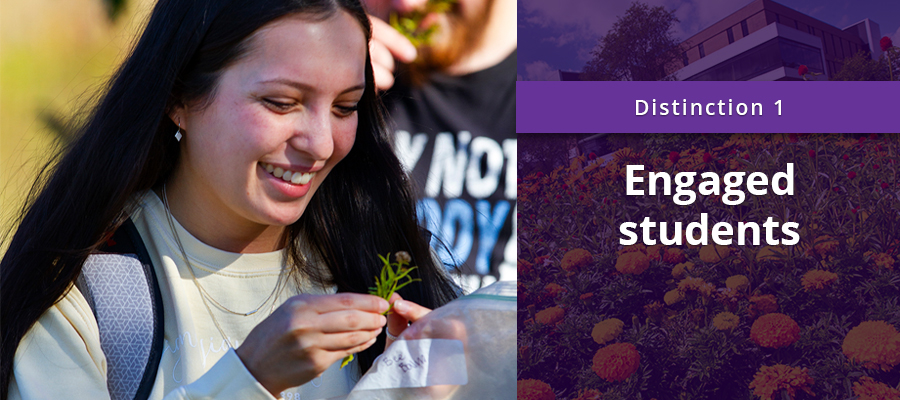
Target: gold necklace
x,y
204,295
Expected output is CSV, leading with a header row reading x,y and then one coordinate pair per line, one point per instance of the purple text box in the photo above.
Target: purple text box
x,y
806,107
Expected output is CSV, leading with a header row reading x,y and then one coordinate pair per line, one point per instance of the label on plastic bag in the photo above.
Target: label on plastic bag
x,y
417,363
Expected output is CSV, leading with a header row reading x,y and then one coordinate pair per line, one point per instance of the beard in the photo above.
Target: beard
x,y
458,36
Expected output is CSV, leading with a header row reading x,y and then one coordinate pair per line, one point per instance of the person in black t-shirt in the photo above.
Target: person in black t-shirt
x,y
452,105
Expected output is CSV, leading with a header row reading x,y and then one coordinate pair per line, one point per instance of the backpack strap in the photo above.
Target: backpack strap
x,y
121,287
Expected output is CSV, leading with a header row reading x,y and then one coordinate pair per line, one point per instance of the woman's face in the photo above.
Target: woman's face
x,y
288,107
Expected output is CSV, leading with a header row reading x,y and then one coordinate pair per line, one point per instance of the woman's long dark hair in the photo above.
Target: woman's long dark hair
x,y
364,208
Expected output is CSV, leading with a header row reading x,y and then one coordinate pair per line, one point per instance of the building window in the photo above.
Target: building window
x,y
796,25
812,31
794,54
730,36
702,53
744,30
684,58
775,53
778,18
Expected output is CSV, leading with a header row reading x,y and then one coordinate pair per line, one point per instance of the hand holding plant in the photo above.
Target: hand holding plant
x,y
390,281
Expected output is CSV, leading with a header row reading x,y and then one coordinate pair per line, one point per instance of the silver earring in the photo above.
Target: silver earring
x,y
178,134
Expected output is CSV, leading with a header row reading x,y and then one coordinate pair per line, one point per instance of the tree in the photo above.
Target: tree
x,y
543,152
638,47
861,67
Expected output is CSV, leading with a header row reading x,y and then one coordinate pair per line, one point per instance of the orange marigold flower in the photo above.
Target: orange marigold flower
x,y
696,284
771,253
674,255
774,330
524,267
607,330
870,389
880,260
817,279
771,380
690,284
589,394
549,316
739,283
679,269
726,321
673,296
653,252
576,259
713,253
533,389
654,310
763,304
729,297
632,263
825,245
554,289
874,344
586,296
616,362
707,289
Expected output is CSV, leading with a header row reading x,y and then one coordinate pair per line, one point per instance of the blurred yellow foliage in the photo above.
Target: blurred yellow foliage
x,y
53,57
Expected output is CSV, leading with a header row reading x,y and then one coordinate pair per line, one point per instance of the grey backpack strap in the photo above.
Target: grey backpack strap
x,y
121,287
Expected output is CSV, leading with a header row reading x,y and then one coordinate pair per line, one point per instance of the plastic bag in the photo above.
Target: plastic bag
x,y
463,350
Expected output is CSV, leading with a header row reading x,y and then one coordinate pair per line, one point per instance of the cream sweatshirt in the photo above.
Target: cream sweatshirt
x,y
60,357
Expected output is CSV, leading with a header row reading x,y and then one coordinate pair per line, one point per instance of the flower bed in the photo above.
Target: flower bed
x,y
814,320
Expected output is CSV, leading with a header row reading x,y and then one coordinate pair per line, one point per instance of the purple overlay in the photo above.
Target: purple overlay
x,y
611,107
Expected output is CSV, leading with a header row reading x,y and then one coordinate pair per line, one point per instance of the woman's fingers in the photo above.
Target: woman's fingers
x,y
395,322
409,310
346,341
339,354
350,320
402,314
308,334
336,302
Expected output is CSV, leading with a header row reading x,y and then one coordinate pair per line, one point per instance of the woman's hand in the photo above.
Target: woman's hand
x,y
308,334
404,313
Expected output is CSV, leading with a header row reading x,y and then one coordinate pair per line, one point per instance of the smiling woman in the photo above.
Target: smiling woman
x,y
293,111
243,144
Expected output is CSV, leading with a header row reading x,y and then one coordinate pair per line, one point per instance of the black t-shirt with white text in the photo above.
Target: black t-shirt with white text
x,y
457,135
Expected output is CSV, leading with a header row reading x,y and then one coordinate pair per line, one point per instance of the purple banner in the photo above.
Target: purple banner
x,y
613,107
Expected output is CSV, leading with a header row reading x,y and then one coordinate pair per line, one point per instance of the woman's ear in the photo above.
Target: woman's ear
x,y
176,114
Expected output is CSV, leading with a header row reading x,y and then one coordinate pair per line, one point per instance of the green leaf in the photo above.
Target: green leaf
x,y
346,361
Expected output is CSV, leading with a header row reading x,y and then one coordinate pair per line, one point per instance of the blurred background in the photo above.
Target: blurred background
x,y
54,56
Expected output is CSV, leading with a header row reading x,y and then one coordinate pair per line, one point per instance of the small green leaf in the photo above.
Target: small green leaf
x,y
346,361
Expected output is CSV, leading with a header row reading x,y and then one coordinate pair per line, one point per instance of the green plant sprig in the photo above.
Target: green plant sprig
x,y
410,24
389,282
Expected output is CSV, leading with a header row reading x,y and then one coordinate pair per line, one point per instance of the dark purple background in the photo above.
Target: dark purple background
x,y
807,107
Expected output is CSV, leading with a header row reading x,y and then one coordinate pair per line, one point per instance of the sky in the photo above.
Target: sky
x,y
560,34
